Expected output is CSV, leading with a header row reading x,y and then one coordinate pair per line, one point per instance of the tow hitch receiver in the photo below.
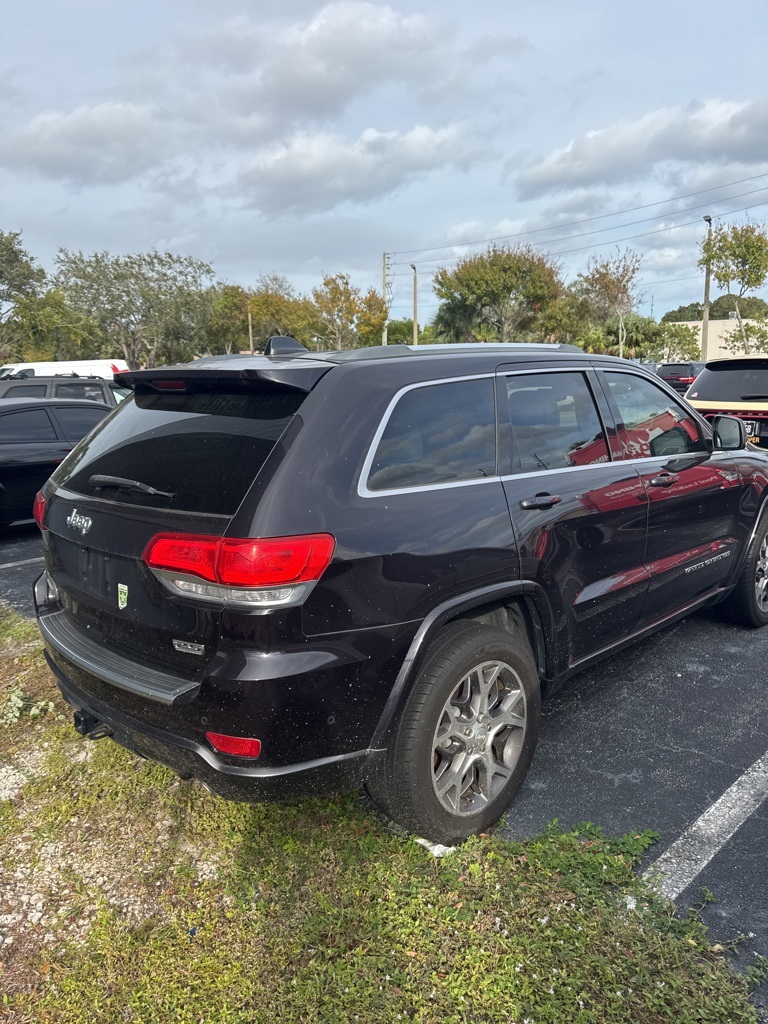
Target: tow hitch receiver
x,y
89,726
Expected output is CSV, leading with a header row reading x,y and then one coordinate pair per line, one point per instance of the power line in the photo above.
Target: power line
x,y
437,261
589,220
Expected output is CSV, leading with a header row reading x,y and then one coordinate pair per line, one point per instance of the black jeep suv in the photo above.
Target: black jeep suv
x,y
298,573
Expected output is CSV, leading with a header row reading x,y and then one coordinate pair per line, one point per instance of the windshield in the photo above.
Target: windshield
x,y
742,382
191,452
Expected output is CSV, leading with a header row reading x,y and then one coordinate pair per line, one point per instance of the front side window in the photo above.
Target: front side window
x,y
653,423
437,434
555,424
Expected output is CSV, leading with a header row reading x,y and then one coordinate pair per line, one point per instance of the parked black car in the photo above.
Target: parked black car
x,y
70,385
679,376
300,573
35,436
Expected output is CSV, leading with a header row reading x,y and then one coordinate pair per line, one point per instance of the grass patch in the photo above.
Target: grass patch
x,y
133,897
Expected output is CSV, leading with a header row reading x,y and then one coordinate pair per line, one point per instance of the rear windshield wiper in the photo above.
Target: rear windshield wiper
x,y
754,398
99,480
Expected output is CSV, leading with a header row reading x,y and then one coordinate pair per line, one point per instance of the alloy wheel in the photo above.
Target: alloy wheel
x,y
479,737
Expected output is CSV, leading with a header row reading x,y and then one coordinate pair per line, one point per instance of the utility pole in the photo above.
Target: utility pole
x,y
705,311
250,328
384,294
415,305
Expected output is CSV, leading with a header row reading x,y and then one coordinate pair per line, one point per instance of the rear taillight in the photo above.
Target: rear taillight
x,y
263,572
38,509
240,746
686,380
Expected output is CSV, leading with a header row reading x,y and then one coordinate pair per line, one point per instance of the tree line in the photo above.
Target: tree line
x,y
155,307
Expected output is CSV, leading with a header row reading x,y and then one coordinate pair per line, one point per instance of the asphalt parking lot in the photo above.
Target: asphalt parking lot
x,y
651,738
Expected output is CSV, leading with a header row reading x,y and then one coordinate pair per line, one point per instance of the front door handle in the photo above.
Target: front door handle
x,y
663,480
540,501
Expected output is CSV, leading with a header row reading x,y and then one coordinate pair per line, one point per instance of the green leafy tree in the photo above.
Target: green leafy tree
x,y
568,319
673,342
228,330
345,317
277,309
750,307
20,278
456,320
737,256
749,338
693,311
610,285
504,290
155,307
46,327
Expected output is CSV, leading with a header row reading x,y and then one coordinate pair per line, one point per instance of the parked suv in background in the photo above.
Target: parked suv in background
x,y
93,389
679,376
299,573
736,387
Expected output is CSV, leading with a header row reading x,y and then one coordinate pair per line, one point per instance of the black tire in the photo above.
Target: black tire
x,y
747,604
466,735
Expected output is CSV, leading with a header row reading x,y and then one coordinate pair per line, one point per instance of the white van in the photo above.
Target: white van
x,y
82,367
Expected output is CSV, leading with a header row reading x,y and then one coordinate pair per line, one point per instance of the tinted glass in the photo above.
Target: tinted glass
x,y
77,422
654,424
438,434
92,392
748,381
676,369
26,425
26,391
555,424
203,450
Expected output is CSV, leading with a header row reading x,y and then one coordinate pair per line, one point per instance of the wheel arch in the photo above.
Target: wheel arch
x,y
509,606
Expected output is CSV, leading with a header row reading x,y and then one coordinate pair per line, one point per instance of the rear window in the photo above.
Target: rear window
x,y
683,369
746,382
438,434
202,451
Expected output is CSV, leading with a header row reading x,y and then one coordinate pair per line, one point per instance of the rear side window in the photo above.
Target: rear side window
x,y
745,382
26,425
201,450
78,421
26,391
437,434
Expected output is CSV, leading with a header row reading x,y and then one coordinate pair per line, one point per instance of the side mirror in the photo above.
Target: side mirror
x,y
728,433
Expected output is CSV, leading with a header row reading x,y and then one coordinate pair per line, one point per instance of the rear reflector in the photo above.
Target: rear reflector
x,y
38,509
239,746
263,562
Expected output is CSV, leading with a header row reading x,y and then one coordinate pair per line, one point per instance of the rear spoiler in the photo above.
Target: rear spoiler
x,y
295,377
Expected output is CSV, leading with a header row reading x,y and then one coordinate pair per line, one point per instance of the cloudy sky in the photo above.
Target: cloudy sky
x,y
301,138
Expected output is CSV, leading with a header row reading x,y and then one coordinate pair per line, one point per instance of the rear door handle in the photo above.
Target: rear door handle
x,y
664,480
540,501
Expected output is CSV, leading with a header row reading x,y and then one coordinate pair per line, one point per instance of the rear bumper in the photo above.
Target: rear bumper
x,y
231,781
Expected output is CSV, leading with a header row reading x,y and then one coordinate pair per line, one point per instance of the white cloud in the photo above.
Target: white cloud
x,y
103,144
315,171
712,131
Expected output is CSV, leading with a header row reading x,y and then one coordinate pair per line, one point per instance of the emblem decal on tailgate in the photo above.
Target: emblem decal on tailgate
x,y
78,522
122,596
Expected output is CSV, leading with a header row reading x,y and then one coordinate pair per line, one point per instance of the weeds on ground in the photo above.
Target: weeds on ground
x,y
130,896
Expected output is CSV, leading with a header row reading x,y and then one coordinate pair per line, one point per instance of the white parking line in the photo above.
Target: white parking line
x,y
687,857
26,561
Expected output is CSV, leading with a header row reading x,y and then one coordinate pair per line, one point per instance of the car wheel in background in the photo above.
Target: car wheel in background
x,y
747,604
